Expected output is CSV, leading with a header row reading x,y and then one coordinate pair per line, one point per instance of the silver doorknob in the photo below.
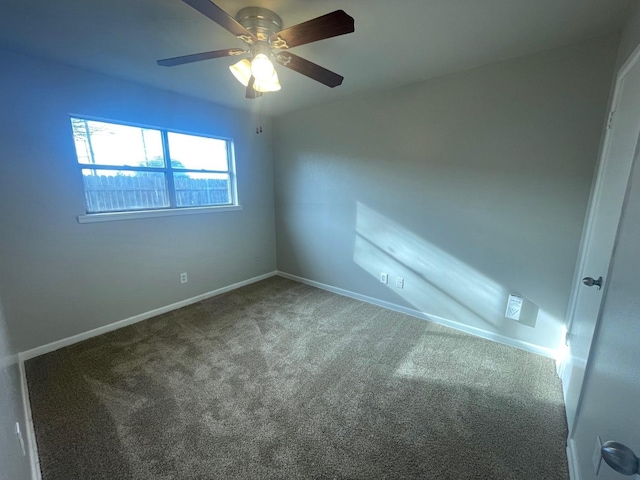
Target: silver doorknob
x,y
621,458
590,282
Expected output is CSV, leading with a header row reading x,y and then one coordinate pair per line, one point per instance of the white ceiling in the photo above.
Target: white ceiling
x,y
395,42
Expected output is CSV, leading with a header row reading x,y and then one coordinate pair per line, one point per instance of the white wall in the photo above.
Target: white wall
x,y
469,186
59,277
611,390
630,38
14,465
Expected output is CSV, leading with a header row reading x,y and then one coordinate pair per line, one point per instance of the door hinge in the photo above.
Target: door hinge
x,y
610,119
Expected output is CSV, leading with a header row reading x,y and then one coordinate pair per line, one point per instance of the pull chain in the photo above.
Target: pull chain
x,y
258,117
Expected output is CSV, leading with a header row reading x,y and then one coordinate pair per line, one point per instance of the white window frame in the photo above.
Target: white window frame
x,y
168,171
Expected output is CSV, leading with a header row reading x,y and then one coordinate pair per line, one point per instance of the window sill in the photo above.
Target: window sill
x,y
115,216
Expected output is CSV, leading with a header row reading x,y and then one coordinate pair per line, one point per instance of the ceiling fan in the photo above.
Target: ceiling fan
x,y
261,29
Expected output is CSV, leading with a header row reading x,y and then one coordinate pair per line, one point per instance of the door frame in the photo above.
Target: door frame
x,y
597,192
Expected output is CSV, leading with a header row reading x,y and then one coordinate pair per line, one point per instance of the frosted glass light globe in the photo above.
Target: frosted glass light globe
x,y
272,85
242,71
262,68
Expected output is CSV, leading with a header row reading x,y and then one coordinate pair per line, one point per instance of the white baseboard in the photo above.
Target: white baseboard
x,y
572,460
50,347
28,422
529,347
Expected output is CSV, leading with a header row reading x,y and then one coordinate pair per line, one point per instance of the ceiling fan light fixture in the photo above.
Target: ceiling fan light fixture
x,y
242,71
261,30
271,85
262,68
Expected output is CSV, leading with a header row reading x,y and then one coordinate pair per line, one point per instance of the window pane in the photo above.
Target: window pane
x,y
197,153
117,145
197,189
114,190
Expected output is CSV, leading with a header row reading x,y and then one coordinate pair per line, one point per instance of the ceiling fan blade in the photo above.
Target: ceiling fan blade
x,y
327,26
222,18
251,92
198,57
310,69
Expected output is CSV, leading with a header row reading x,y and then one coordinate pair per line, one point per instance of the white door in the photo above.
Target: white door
x,y
609,403
601,226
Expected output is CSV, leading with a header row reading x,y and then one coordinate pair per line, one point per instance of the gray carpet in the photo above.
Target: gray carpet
x,y
280,380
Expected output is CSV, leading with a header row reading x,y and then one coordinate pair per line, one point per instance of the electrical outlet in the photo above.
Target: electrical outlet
x,y
20,439
384,278
399,282
597,456
183,277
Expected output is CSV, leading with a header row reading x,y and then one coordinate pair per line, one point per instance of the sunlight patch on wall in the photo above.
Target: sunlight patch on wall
x,y
436,282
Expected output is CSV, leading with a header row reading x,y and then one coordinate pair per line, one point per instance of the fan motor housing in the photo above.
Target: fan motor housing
x,y
262,22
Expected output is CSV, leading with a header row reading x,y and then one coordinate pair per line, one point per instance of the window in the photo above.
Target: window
x,y
127,168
